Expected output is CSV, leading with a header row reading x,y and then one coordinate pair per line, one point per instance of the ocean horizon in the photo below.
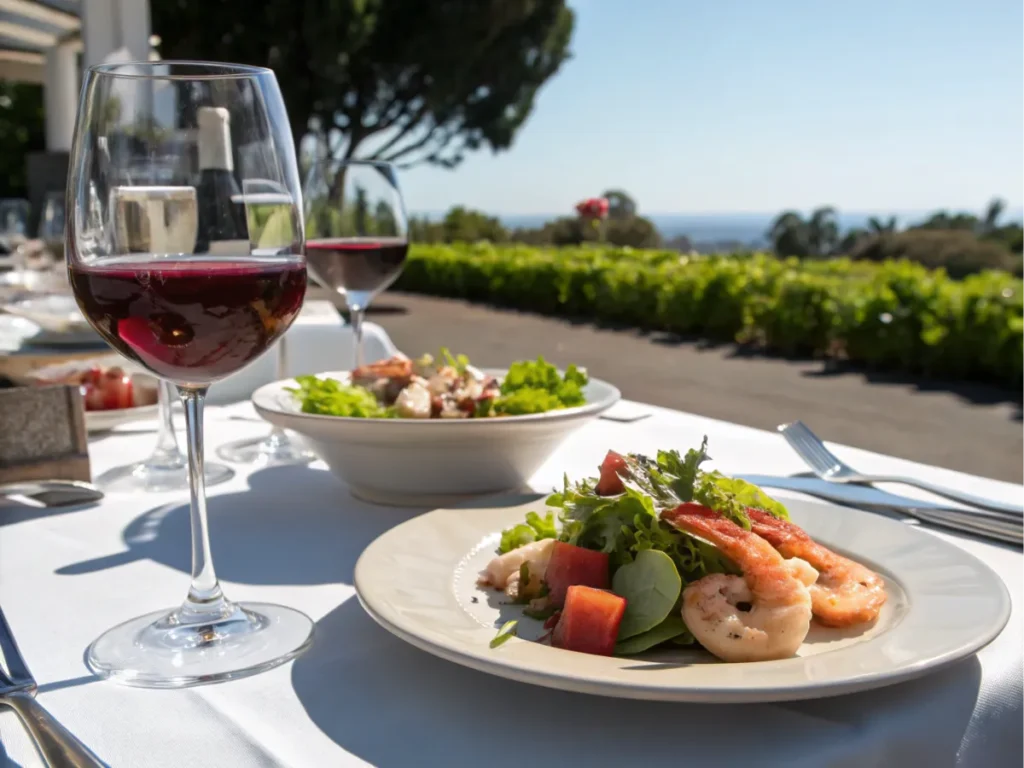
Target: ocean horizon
x,y
748,229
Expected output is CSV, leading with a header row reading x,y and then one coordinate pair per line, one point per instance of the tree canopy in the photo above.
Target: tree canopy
x,y
400,80
22,130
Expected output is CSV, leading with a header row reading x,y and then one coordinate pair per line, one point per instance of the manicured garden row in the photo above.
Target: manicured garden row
x,y
890,316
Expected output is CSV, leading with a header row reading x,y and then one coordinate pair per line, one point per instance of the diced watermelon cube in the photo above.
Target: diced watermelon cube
x,y
609,483
571,565
590,621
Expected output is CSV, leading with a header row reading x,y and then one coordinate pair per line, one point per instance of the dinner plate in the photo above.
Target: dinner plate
x,y
57,313
418,581
102,421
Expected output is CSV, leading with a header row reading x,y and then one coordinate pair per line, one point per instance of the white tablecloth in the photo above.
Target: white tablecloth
x,y
361,696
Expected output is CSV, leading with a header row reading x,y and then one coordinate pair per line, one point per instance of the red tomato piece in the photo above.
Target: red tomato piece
x,y
93,397
610,484
590,621
118,392
571,565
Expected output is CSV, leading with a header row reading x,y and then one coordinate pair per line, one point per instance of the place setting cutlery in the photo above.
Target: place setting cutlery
x,y
57,745
832,479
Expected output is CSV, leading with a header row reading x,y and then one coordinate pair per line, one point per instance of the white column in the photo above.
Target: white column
x,y
115,27
60,95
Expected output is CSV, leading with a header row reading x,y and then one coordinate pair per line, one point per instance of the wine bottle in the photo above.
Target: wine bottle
x,y
222,226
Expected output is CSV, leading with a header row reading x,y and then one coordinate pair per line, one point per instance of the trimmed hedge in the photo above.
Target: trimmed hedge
x,y
892,316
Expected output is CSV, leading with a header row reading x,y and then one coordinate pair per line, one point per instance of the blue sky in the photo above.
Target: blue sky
x,y
750,105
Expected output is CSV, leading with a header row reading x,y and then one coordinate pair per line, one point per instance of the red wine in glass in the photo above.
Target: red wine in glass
x,y
357,267
191,321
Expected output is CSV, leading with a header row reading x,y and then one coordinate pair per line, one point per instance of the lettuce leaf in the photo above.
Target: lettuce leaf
x,y
535,386
732,496
534,529
330,397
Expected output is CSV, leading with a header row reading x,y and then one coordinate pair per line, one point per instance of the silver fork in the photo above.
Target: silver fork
x,y
57,745
826,466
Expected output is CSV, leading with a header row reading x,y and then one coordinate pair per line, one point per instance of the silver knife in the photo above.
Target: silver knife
x,y
976,522
58,746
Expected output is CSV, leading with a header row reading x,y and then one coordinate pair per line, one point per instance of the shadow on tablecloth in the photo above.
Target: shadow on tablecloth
x,y
393,705
294,526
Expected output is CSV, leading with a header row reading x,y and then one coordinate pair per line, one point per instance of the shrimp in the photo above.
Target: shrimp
x,y
846,592
763,614
505,568
397,367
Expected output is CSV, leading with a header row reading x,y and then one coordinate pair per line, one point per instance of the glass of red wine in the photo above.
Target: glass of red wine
x,y
356,232
178,283
277,448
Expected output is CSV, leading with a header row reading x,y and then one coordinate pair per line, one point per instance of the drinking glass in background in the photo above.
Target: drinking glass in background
x,y
268,208
14,213
356,232
191,317
154,219
51,224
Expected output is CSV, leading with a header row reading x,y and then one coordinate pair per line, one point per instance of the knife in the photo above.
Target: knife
x,y
976,522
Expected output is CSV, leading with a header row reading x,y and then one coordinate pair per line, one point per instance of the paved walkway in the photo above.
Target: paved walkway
x,y
974,429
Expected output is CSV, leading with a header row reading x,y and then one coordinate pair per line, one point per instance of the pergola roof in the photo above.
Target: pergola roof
x,y
28,28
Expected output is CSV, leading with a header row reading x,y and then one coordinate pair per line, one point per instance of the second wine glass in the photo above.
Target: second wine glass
x,y
263,198
356,233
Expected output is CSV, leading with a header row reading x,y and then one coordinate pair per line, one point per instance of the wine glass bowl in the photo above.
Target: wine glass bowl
x,y
356,232
162,262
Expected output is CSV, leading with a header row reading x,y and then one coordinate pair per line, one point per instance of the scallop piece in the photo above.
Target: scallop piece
x,y
413,402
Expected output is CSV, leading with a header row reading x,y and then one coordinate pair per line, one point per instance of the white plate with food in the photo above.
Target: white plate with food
x,y
435,431
646,583
58,318
111,395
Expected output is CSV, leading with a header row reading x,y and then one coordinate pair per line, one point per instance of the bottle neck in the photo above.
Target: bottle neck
x,y
215,140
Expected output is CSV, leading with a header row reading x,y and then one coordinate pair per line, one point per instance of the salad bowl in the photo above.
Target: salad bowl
x,y
430,462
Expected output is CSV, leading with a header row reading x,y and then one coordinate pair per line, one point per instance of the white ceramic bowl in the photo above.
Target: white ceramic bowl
x,y
431,462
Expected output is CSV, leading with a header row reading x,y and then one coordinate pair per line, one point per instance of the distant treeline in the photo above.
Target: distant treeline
x,y
962,243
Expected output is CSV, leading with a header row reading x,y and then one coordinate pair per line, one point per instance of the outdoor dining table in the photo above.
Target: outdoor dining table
x,y
360,696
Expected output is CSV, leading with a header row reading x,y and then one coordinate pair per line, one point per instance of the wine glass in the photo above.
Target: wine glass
x,y
356,232
166,469
154,219
51,224
263,197
191,318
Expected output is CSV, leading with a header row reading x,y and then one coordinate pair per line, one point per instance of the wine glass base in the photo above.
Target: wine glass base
x,y
165,650
270,451
151,478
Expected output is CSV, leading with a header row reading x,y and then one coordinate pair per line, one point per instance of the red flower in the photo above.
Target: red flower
x,y
593,208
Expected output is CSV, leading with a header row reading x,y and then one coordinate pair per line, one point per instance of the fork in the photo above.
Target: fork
x,y
828,467
57,745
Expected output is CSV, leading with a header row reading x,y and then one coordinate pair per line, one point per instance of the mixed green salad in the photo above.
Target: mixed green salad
x,y
445,387
648,562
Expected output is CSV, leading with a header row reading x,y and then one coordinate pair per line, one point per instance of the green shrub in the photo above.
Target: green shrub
x,y
959,252
893,315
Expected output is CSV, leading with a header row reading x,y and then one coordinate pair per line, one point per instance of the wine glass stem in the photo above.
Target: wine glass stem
x,y
167,449
356,315
204,594
277,434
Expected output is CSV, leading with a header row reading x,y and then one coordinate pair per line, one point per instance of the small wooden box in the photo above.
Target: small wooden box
x,y
42,434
